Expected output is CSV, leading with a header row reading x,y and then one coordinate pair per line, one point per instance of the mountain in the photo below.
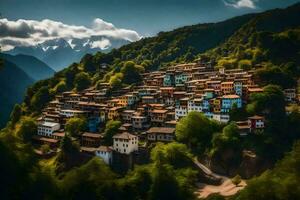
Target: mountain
x,y
272,36
13,84
59,53
32,66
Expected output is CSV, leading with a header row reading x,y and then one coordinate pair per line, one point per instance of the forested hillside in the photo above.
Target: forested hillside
x,y
271,41
247,41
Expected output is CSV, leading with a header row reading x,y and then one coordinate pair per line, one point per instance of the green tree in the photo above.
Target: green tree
x,y
40,98
164,184
196,131
66,145
45,148
236,180
245,64
68,157
75,126
88,63
115,81
82,81
227,147
275,75
131,72
60,87
70,74
174,153
271,104
16,114
27,129
111,128
93,180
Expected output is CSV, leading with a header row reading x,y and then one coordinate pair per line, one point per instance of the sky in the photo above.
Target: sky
x,y
130,19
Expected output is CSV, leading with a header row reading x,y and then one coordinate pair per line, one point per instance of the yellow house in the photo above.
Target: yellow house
x,y
114,113
216,105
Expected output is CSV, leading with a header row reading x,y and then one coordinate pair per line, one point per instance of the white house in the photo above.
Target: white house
x,y
180,112
71,113
47,128
106,153
125,143
221,117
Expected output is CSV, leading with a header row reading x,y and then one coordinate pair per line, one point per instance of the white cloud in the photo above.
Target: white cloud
x,y
241,3
102,44
31,32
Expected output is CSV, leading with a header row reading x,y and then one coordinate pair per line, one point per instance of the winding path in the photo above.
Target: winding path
x,y
226,188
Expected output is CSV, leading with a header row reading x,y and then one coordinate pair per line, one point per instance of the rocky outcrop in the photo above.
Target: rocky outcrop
x,y
228,164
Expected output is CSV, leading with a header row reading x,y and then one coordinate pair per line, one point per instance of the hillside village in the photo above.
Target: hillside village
x,y
149,112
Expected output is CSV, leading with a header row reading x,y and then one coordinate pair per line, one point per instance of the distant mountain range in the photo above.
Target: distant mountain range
x,y
13,84
59,53
16,75
33,67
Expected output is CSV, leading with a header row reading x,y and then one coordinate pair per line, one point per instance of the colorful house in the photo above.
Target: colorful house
x,y
228,101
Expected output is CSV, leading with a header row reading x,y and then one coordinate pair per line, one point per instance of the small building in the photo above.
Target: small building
x,y
243,127
181,109
290,95
168,79
127,115
91,139
47,128
125,143
127,100
53,143
256,123
106,153
224,118
171,124
73,113
161,134
227,87
114,113
139,122
58,135
148,100
195,104
228,101
158,115
238,88
181,78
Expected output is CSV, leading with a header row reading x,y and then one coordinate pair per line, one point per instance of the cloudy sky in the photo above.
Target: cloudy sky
x,y
33,21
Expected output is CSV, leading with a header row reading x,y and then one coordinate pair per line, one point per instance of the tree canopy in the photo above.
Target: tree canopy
x,y
75,126
196,131
82,81
111,128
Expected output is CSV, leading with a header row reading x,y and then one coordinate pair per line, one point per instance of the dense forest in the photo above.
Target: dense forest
x,y
267,42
